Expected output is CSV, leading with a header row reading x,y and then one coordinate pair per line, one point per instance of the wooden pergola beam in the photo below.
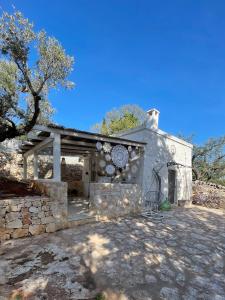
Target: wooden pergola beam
x,y
39,146
76,148
88,136
79,143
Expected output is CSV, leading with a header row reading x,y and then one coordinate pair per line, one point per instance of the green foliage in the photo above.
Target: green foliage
x,y
104,128
100,296
123,118
208,160
24,84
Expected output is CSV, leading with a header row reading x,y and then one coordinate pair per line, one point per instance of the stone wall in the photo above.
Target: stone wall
x,y
26,216
115,199
32,215
72,174
57,191
208,194
11,166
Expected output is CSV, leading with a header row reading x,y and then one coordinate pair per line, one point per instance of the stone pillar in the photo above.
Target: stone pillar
x,y
35,166
56,157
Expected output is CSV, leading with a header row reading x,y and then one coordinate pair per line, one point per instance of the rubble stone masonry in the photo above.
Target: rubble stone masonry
x,y
33,215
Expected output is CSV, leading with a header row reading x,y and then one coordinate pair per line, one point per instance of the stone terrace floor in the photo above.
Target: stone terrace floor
x,y
181,257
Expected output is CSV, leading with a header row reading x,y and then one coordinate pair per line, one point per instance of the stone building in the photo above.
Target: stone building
x,y
167,166
86,176
146,157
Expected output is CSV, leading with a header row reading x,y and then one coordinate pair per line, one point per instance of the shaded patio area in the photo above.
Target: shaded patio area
x,y
105,160
180,257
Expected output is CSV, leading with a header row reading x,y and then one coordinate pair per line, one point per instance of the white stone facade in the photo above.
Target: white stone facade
x,y
115,199
162,150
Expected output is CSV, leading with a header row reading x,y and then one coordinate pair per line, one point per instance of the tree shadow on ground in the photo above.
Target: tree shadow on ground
x,y
127,258
181,257
176,258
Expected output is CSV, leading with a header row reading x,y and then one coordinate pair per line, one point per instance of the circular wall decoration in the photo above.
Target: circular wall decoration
x,y
110,169
107,157
119,156
99,146
129,148
107,147
102,163
173,149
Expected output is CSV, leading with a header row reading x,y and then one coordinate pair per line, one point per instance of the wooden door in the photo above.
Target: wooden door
x,y
171,186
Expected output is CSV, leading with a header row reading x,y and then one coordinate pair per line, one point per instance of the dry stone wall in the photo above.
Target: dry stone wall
x,y
72,174
208,194
57,191
26,216
115,199
11,166
33,215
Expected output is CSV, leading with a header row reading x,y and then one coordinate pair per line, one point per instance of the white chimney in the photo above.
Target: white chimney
x,y
152,118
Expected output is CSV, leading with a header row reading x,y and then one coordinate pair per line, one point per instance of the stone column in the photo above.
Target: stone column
x,y
35,166
56,157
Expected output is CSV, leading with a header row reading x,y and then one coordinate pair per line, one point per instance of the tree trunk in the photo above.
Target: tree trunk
x,y
10,130
195,172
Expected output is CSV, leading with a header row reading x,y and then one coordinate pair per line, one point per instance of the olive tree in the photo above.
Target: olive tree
x,y
123,118
31,63
208,160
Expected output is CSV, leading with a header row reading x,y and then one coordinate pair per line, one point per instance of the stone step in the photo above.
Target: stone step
x,y
76,222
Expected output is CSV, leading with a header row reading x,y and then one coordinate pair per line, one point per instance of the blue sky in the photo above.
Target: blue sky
x,y
164,54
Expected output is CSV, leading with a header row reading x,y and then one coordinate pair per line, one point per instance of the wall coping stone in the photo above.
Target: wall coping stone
x,y
209,184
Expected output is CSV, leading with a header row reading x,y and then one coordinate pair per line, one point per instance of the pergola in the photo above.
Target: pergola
x,y
64,141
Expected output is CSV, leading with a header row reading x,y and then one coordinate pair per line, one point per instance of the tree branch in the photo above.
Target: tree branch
x,y
43,83
24,72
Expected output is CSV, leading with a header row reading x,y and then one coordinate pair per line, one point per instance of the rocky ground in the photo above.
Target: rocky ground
x,y
180,257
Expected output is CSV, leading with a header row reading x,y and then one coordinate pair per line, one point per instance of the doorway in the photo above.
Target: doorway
x,y
171,185
75,171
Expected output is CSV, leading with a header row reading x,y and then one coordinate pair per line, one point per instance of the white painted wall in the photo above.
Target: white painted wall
x,y
162,148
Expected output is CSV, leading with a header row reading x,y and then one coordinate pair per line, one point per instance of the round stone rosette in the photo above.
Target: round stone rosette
x,y
129,148
110,169
99,146
107,147
102,163
107,157
119,156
